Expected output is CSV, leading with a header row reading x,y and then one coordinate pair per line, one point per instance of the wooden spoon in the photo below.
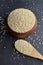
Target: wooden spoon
x,y
26,48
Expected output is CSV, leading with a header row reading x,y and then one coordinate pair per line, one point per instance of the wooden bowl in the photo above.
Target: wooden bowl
x,y
24,34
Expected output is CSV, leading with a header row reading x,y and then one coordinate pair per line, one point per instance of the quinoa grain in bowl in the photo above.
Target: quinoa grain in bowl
x,y
22,22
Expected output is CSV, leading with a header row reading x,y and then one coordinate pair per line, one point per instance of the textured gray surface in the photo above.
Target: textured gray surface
x,y
8,54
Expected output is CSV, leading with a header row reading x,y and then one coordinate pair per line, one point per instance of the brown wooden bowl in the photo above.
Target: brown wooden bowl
x,y
23,35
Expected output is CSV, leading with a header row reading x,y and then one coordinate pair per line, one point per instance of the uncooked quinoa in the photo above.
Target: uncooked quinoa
x,y
26,48
22,46
21,20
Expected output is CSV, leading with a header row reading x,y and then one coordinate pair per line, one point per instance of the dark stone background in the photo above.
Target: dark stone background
x,y
8,54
